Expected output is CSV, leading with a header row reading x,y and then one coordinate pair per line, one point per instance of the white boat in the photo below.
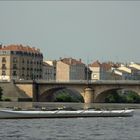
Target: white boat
x,y
13,114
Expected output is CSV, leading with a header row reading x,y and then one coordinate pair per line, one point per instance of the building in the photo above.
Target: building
x,y
95,68
103,71
135,69
120,74
70,69
20,62
134,65
49,70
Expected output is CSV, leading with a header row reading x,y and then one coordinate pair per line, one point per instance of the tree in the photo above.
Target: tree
x,y
63,98
66,97
1,93
126,97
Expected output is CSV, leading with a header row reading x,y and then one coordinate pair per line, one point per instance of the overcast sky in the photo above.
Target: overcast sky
x,y
107,31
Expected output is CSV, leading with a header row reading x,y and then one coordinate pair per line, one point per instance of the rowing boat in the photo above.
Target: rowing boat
x,y
13,114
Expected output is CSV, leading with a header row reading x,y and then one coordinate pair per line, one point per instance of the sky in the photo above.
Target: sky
x,y
90,30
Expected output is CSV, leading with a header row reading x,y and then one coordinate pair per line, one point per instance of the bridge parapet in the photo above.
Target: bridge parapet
x,y
79,82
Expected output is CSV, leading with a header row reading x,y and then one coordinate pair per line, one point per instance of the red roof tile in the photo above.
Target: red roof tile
x,y
106,66
71,61
95,64
20,48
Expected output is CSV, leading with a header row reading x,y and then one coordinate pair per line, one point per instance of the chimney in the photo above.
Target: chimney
x,y
80,60
70,60
38,50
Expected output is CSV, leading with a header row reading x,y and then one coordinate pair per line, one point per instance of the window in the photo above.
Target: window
x,y
4,52
3,66
27,61
15,60
3,59
14,73
14,66
23,61
3,73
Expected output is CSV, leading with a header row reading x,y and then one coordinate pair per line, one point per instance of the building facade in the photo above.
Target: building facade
x,y
20,62
70,69
95,68
103,71
49,70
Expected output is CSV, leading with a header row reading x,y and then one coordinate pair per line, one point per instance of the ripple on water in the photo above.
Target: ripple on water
x,y
72,129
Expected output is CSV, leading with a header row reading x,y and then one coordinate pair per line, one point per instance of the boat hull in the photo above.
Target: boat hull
x,y
12,114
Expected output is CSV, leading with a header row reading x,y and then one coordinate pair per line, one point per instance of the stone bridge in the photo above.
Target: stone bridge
x,y
95,91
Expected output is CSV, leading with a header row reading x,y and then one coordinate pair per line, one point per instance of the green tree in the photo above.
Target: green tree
x,y
126,97
65,97
1,93
110,99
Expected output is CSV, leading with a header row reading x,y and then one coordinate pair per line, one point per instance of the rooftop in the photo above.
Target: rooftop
x,y
20,47
95,64
71,61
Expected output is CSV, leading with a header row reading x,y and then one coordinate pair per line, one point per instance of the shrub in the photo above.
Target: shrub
x,y
1,93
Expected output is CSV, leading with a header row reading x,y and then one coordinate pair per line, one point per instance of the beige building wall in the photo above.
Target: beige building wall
x,y
5,67
62,71
20,64
95,73
71,69
128,70
134,65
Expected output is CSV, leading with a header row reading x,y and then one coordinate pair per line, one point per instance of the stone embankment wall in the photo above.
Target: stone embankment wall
x,y
11,91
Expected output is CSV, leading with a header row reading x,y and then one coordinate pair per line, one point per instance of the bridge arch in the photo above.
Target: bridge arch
x,y
49,94
102,94
36,89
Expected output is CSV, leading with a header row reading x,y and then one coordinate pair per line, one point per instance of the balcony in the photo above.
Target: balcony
x,y
15,68
3,67
3,60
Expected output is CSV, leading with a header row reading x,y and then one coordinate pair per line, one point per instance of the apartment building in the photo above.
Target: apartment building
x,y
134,65
20,62
49,70
95,68
70,69
103,71
135,69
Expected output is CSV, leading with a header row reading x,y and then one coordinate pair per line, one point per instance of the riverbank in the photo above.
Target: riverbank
x,y
49,105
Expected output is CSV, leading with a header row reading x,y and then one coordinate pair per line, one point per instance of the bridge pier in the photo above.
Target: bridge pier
x,y
89,95
35,92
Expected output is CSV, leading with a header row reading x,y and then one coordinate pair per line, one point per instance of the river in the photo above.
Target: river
x,y
97,128
119,128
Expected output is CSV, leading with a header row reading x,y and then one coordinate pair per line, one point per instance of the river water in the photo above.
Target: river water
x,y
97,128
